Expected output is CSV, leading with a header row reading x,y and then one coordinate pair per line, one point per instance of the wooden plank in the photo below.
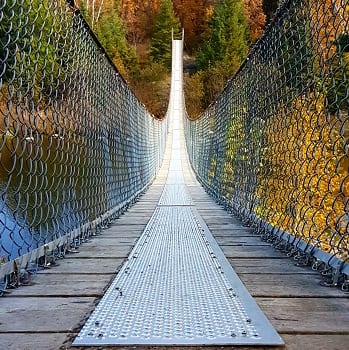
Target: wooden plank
x,y
95,251
282,265
211,210
315,341
122,230
44,314
85,266
111,240
214,227
307,315
281,285
240,240
136,220
226,222
67,285
247,251
143,210
121,240
236,232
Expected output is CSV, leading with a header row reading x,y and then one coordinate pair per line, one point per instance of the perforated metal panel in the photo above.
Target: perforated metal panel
x,y
175,194
177,288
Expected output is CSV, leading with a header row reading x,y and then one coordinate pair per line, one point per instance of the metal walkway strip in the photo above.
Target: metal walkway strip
x,y
177,287
175,194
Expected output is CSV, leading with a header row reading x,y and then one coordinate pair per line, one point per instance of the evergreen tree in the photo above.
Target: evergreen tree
x,y
164,22
111,32
228,38
223,49
9,29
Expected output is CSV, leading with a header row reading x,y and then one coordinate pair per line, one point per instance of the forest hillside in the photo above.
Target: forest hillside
x,y
137,37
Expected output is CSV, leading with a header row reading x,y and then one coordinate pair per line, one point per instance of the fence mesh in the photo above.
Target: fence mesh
x,y
274,147
76,145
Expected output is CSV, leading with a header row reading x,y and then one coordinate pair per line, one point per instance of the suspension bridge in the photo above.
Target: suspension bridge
x,y
119,230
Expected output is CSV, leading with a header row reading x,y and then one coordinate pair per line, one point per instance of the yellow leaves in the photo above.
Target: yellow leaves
x,y
255,17
209,12
328,19
308,192
345,186
335,184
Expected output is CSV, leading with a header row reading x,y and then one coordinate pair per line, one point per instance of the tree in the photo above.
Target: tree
x,y
139,18
92,9
328,30
33,55
228,38
193,16
224,48
105,19
255,17
164,22
112,34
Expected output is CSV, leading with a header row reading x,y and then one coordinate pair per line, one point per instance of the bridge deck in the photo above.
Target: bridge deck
x,y
49,313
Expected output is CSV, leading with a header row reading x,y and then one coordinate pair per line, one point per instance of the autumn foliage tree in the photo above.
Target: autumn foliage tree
x,y
255,17
139,18
194,17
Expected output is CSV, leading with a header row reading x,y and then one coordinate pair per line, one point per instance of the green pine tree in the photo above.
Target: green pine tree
x,y
164,22
111,32
224,48
228,38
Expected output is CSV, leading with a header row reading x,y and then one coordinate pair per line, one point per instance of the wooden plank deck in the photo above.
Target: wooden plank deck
x,y
49,313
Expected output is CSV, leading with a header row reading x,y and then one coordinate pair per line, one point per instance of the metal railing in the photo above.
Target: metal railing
x,y
76,145
274,146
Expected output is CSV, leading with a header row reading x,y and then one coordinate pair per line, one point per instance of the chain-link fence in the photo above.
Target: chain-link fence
x,y
274,147
76,145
